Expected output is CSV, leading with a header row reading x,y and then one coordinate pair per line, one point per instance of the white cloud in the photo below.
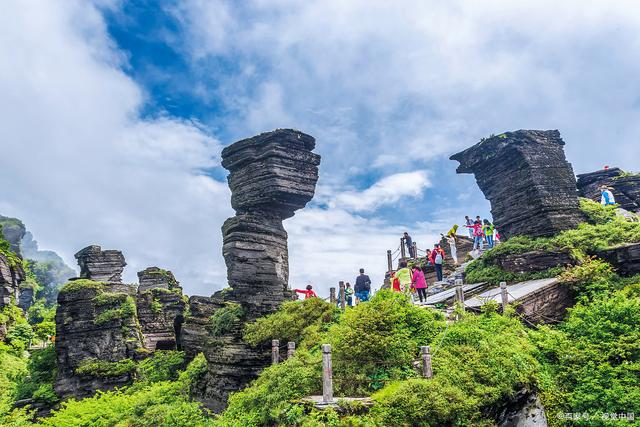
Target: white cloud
x,y
80,165
389,190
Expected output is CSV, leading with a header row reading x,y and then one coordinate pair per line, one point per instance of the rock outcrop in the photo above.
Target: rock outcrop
x,y
625,187
99,265
527,179
97,331
533,261
13,231
625,258
160,305
26,296
271,176
11,276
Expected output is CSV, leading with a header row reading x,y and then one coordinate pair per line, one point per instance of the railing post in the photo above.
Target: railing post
x,y
332,295
504,295
327,374
275,351
343,301
403,253
389,261
427,371
291,348
415,250
460,294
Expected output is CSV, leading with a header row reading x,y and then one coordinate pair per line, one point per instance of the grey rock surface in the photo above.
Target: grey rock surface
x,y
625,187
625,258
271,176
13,231
11,275
154,278
528,181
101,266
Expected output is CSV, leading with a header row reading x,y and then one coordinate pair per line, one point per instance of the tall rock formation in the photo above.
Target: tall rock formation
x,y
13,231
11,276
161,307
97,331
625,187
271,176
527,179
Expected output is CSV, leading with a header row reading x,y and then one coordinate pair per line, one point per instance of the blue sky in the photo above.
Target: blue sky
x,y
114,114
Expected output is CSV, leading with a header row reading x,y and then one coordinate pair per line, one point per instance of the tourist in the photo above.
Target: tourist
x,y
437,259
395,283
606,196
308,292
452,239
404,277
408,241
362,287
477,235
419,282
348,294
488,230
469,225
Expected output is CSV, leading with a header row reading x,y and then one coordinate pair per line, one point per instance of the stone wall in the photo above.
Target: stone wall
x,y
625,259
625,187
271,176
528,181
533,262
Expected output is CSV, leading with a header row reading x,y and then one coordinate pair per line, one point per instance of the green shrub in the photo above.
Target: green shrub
x,y
125,311
161,366
226,318
164,403
37,383
596,213
480,361
591,361
270,399
103,369
81,284
591,278
292,322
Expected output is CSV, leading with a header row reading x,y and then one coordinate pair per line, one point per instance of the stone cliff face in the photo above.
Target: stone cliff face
x,y
271,176
160,305
13,230
11,275
626,187
527,179
96,327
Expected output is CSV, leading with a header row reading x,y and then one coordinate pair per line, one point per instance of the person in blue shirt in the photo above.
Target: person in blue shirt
x,y
606,196
362,287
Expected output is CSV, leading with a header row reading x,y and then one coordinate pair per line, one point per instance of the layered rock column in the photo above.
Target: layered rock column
x,y
96,326
161,307
271,176
528,181
625,187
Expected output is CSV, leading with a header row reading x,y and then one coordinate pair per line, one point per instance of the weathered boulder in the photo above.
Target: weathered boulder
x,y
13,231
161,307
271,176
527,179
97,331
101,266
26,297
196,335
625,187
625,258
533,261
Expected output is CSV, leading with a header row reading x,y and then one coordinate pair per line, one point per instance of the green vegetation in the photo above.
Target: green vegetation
x,y
81,284
293,322
596,213
101,368
37,383
162,366
225,319
5,249
125,311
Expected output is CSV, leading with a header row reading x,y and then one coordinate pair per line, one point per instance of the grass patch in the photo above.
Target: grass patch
x,y
226,318
103,369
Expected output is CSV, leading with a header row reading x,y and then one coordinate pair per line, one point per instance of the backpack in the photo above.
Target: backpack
x,y
438,258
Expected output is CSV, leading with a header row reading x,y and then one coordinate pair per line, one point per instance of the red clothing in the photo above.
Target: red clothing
x,y
308,293
477,229
432,257
396,284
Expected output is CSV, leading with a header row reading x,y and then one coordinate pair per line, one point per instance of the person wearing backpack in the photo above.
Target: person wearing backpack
x,y
488,230
437,259
606,196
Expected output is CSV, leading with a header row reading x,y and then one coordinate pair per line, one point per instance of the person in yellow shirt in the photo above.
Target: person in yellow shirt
x,y
404,277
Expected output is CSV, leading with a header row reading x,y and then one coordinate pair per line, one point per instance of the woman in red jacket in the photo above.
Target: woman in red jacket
x,y
308,293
